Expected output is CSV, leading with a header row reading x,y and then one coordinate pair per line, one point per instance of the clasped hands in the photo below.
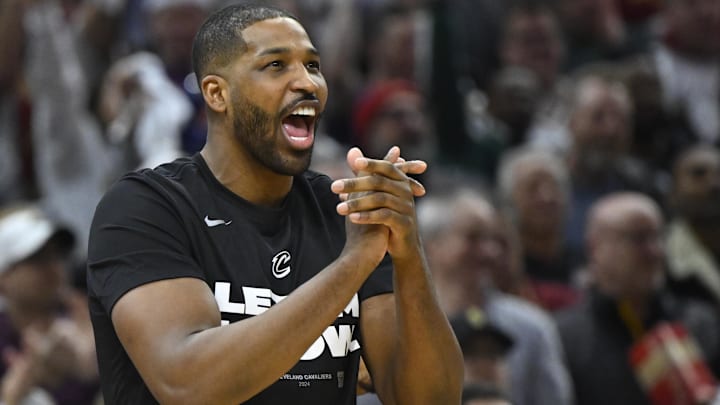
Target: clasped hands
x,y
381,199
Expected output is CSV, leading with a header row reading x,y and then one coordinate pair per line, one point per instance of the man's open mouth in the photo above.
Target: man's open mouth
x,y
299,126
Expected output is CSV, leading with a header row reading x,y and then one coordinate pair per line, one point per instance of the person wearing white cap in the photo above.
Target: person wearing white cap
x,y
45,335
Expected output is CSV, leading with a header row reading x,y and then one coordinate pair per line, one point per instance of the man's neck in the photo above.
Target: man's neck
x,y
235,169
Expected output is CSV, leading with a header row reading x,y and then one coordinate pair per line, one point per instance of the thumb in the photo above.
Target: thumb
x,y
352,155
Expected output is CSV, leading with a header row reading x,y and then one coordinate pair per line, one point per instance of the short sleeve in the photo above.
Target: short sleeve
x,y
380,281
137,237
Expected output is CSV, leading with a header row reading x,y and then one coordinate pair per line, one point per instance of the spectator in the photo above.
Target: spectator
x,y
70,161
598,160
497,120
485,348
535,187
171,27
687,59
393,112
532,40
595,31
337,31
624,301
465,246
45,333
391,45
659,132
513,98
144,113
473,37
56,52
693,237
371,42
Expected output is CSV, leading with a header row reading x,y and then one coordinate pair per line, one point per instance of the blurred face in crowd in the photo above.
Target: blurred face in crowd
x,y
539,199
37,282
401,121
696,191
473,246
625,248
513,99
693,26
532,40
393,50
601,123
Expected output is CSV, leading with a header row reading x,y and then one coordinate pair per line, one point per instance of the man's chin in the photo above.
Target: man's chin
x,y
298,163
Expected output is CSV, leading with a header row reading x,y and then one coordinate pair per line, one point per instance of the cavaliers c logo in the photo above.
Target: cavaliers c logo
x,y
280,264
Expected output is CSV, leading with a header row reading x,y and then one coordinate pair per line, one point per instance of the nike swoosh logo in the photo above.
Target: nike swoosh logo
x,y
215,222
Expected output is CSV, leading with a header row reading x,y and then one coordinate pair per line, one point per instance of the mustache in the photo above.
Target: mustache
x,y
293,104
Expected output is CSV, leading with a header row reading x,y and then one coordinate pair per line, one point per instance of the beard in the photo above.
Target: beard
x,y
256,130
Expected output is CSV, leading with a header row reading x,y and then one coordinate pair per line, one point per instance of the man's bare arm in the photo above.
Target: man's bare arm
x,y
171,331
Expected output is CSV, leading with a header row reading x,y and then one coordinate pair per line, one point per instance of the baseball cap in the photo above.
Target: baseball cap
x,y
25,230
477,335
372,101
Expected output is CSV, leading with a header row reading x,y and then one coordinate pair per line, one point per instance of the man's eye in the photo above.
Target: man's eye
x,y
314,66
276,64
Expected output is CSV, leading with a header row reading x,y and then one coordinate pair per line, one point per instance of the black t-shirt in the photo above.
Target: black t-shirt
x,y
179,221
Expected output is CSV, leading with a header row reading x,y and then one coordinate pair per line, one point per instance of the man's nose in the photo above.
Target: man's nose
x,y
305,82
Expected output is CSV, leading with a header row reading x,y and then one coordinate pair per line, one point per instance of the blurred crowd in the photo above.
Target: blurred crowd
x,y
573,206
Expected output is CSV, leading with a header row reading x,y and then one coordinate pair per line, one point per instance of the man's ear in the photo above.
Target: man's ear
x,y
215,92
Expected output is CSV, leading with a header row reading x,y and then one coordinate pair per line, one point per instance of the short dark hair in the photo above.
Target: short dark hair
x,y
220,39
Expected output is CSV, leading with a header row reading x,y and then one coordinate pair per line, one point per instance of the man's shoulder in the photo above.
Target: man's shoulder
x,y
177,171
144,190
165,176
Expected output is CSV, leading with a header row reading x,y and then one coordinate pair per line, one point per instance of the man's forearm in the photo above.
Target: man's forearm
x,y
202,362
428,365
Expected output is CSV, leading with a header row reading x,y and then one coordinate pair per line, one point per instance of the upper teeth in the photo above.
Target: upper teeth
x,y
304,111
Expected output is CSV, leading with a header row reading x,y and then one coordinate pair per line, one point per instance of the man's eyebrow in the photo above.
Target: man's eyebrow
x,y
282,50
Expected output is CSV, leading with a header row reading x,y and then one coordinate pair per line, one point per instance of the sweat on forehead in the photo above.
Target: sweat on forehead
x,y
220,38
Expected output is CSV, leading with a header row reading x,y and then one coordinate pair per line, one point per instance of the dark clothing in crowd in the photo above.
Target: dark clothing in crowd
x,y
596,342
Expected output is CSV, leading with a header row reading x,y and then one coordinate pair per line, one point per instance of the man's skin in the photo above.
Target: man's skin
x,y
171,328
